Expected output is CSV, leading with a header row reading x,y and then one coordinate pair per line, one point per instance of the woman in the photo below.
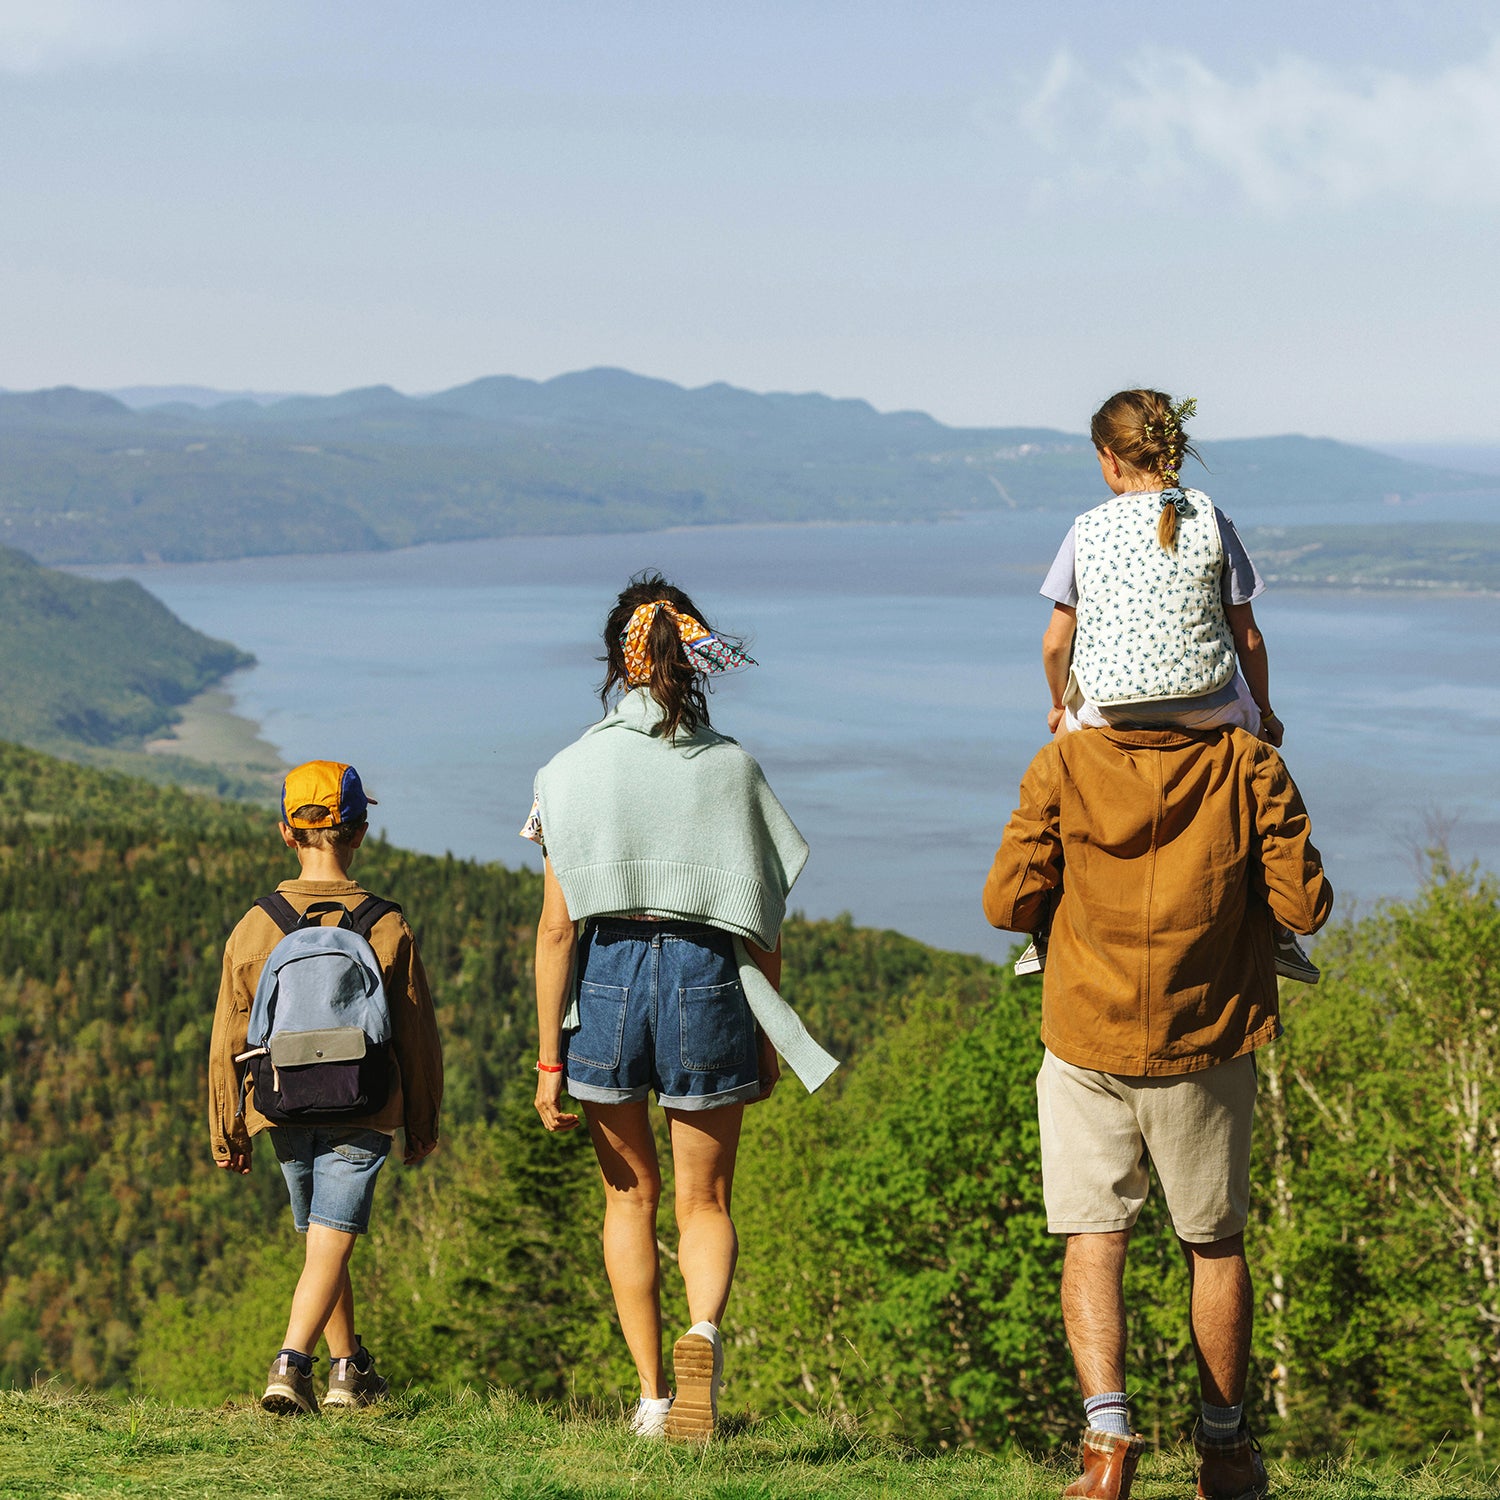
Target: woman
x,y
665,843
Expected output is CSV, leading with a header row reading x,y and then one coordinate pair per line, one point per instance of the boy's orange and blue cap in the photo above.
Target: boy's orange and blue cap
x,y
331,787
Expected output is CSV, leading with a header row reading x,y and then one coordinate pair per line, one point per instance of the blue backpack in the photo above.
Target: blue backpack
x,y
318,1046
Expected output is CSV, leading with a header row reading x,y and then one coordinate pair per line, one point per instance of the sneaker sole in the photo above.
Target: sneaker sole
x,y
348,1398
691,1418
1302,976
285,1402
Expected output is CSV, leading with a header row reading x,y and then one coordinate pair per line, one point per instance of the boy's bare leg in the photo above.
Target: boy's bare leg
x,y
632,1190
1093,1307
1223,1311
324,1280
704,1144
339,1330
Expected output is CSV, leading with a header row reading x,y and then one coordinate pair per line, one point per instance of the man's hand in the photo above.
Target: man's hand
x,y
548,1095
236,1161
1055,717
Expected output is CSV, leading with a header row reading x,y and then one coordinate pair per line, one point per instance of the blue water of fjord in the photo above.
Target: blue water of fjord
x,y
898,699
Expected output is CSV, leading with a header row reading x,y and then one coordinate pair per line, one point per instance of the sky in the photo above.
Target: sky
x,y
995,212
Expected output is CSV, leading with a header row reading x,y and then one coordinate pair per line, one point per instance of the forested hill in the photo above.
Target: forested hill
x,y
89,479
87,666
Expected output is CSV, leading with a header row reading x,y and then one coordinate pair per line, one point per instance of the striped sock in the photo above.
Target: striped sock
x,y
1108,1413
1221,1424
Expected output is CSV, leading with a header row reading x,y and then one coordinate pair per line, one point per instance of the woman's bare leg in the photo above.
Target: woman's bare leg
x,y
704,1143
632,1189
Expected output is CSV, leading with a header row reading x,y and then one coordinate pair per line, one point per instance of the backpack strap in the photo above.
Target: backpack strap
x,y
369,911
361,918
281,911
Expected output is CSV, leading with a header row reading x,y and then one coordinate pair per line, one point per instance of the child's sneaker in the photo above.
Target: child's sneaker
x,y
289,1389
698,1367
649,1419
1034,959
1291,961
348,1385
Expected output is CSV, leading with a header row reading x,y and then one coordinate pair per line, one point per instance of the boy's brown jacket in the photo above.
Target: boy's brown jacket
x,y
417,1090
1170,849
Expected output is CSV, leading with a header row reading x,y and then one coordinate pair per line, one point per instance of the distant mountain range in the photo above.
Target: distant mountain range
x,y
88,477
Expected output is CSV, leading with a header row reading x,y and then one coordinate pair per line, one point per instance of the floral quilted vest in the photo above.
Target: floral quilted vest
x,y
1150,622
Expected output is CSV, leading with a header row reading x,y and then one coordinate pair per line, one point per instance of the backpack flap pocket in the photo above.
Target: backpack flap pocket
x,y
300,1049
318,1070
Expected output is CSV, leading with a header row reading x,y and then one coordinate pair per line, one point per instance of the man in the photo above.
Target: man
x,y
1164,857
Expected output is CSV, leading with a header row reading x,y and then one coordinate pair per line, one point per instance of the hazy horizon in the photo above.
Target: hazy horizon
x,y
997,215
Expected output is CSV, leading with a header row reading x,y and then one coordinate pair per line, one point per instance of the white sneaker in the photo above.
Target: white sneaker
x,y
698,1369
649,1419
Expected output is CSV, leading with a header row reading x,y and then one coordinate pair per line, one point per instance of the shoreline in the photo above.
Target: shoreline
x,y
210,732
1355,583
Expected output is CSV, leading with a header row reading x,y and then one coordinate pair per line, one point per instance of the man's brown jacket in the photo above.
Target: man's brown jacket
x,y
1165,852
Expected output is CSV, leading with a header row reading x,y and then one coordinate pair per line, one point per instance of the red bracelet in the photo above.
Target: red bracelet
x,y
542,1067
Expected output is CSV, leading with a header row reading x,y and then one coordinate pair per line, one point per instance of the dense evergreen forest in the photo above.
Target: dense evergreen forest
x,y
894,1256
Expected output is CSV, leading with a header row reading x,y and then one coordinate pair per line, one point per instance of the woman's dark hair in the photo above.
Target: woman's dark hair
x,y
675,684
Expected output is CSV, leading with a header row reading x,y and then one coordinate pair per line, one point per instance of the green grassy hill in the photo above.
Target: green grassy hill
x,y
90,480
95,670
896,1280
474,1446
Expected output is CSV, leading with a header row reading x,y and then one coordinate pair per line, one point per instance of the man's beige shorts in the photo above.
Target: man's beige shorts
x,y
1099,1131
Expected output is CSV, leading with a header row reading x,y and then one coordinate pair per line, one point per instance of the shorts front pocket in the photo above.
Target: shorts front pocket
x,y
601,1031
715,1027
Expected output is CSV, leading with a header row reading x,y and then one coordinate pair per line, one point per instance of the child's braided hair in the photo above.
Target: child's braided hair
x,y
1145,431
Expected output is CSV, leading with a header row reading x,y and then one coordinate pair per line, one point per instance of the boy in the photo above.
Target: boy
x,y
330,1168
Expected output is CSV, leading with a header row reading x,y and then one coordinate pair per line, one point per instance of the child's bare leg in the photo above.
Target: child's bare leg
x,y
324,1280
339,1330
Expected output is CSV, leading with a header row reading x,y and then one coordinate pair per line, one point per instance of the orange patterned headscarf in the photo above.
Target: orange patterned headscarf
x,y
705,651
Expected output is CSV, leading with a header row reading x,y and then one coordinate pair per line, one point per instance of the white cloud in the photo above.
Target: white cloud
x,y
1294,133
38,36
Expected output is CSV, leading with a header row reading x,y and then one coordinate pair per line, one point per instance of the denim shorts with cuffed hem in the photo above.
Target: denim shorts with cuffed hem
x,y
330,1173
661,1007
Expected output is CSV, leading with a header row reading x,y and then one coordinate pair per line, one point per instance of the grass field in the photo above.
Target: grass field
x,y
58,1444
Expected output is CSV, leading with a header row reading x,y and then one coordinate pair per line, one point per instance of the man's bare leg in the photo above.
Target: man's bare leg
x,y
1223,1313
1093,1305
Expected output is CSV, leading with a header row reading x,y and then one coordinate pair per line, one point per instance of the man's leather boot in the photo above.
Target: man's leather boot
x,y
1231,1471
1108,1462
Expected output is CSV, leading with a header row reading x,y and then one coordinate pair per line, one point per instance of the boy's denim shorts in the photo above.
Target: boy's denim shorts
x,y
660,1007
330,1173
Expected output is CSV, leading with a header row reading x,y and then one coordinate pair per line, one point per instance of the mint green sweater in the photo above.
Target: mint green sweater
x,y
684,828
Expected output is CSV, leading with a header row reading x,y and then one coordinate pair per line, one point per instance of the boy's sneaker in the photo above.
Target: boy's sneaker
x,y
348,1385
1291,961
698,1367
288,1390
1034,959
649,1419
